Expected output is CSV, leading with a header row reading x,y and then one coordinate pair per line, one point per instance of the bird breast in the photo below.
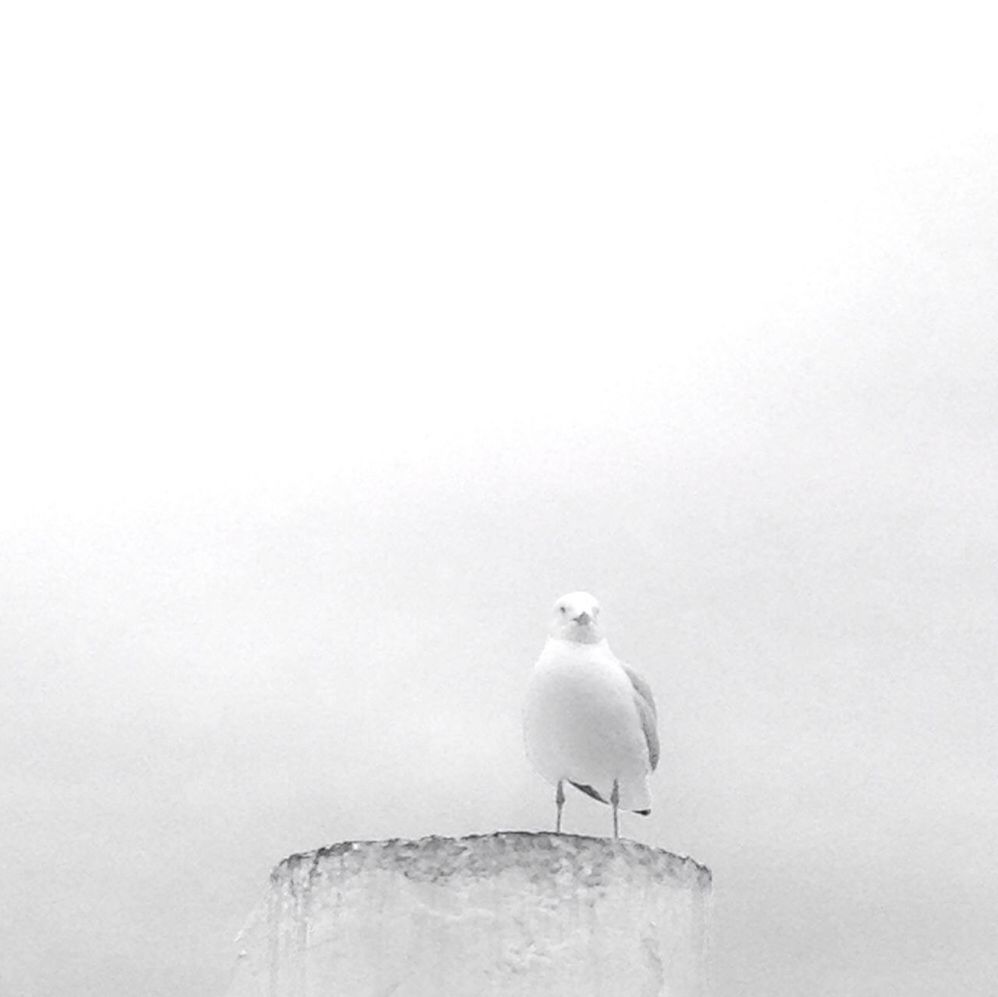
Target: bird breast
x,y
580,720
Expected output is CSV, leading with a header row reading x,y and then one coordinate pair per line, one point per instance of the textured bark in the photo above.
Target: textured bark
x,y
501,914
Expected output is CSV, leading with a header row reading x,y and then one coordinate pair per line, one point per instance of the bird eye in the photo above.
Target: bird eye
x,y
561,609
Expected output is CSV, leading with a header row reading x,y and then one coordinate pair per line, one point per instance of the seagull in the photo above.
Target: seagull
x,y
589,719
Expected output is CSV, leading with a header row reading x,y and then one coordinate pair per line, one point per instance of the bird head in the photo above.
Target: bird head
x,y
576,618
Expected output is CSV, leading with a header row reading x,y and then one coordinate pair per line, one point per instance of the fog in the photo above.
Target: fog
x,y
339,343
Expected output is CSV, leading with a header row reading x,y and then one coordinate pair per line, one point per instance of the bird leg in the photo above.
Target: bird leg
x,y
559,802
615,803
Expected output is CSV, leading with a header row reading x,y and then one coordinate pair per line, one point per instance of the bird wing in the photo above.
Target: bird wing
x,y
589,791
648,714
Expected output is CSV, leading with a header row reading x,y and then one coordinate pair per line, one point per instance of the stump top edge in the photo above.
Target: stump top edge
x,y
435,858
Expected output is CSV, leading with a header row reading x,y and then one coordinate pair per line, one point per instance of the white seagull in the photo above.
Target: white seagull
x,y
589,719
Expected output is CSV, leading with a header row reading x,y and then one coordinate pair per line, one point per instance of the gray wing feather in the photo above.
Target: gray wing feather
x,y
645,703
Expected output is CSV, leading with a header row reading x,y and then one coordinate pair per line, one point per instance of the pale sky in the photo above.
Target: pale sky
x,y
340,341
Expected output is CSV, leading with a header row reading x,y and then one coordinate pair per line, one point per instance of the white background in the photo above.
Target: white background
x,y
339,340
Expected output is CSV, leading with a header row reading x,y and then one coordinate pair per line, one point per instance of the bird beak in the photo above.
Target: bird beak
x,y
584,618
